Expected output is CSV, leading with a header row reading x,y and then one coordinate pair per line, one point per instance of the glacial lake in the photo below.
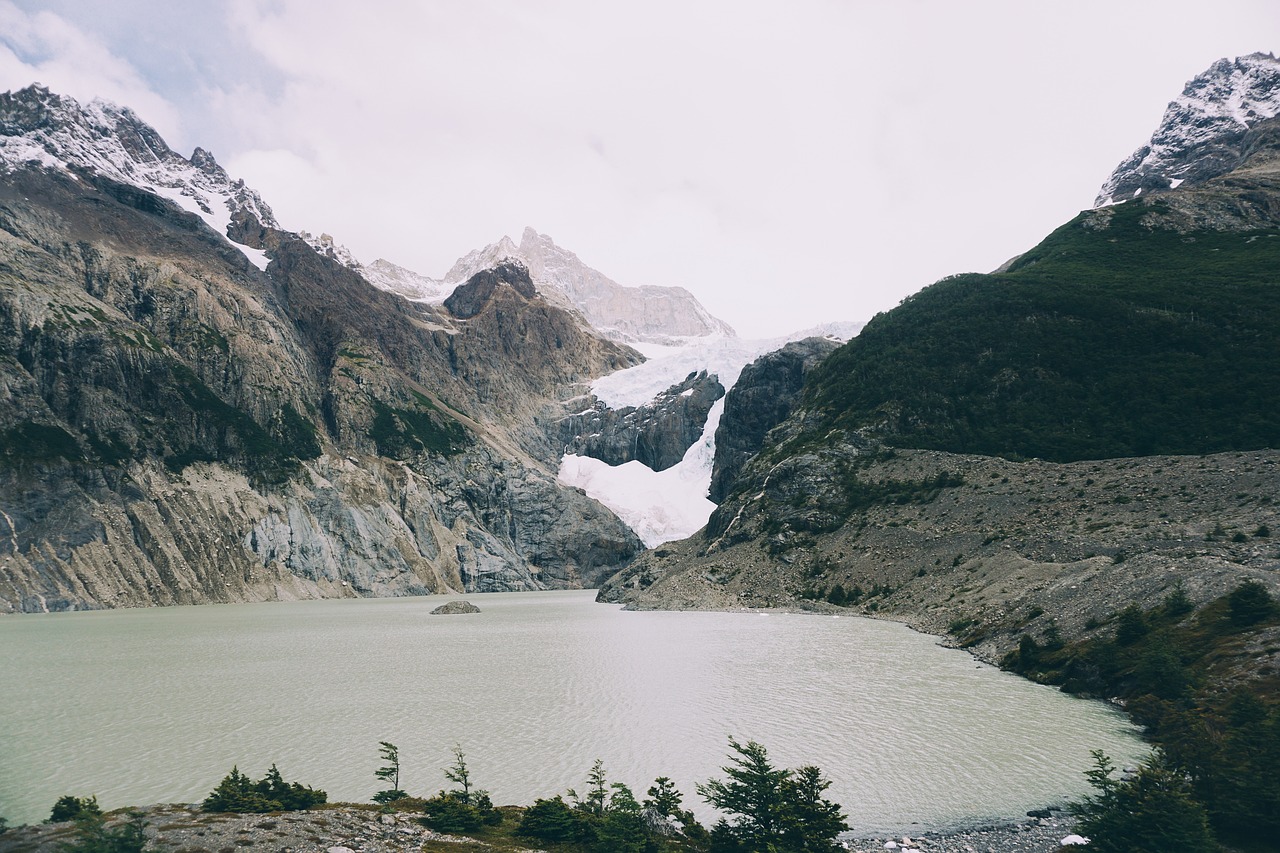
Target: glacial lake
x,y
156,705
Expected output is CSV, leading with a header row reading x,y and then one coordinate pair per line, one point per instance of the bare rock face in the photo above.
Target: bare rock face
x,y
469,299
179,425
762,398
656,434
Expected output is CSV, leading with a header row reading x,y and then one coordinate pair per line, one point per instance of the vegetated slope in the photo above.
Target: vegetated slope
x,y
1114,337
191,416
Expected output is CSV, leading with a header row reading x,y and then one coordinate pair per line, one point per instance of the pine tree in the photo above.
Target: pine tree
x,y
389,772
459,775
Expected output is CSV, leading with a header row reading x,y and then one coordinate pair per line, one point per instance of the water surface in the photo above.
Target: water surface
x,y
156,705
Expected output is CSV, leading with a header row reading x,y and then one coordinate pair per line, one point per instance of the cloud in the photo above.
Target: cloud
x,y
43,47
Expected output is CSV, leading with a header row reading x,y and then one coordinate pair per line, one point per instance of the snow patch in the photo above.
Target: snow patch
x,y
662,506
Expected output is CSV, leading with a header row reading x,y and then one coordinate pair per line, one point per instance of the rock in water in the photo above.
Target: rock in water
x,y
457,606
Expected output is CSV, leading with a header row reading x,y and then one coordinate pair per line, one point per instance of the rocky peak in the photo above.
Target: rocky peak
x,y
479,260
469,299
1202,134
42,129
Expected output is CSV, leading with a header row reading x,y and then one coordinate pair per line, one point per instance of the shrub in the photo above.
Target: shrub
x,y
68,807
1249,603
553,822
237,793
94,836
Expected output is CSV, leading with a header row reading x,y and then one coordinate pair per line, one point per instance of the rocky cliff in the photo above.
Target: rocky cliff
x,y
763,397
192,414
656,434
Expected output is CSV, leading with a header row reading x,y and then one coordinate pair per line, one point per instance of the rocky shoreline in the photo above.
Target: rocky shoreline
x,y
351,828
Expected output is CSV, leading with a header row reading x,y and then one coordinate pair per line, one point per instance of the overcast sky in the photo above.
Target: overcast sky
x,y
788,162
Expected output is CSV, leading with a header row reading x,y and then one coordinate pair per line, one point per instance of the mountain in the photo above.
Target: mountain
x,y
197,405
646,314
1023,453
1202,134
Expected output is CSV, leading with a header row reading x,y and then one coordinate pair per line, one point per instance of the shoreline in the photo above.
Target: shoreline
x,y
363,828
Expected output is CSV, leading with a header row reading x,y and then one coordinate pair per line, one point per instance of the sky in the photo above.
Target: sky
x,y
790,163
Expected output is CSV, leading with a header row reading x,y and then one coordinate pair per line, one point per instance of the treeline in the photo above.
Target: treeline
x,y
767,809
1217,765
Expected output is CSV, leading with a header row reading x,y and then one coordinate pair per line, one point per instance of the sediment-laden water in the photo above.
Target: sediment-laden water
x,y
156,705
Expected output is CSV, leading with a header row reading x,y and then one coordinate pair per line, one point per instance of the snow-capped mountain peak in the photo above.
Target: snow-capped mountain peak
x,y
646,314
43,129
1200,134
478,260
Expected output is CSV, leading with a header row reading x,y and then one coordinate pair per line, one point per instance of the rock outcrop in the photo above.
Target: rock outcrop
x,y
762,398
455,607
656,434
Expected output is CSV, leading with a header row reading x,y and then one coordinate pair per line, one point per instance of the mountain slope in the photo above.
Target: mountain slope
x,y
630,314
180,425
1029,451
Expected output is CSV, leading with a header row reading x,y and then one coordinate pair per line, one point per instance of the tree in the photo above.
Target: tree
x,y
597,792
68,807
753,795
458,775
812,821
664,798
772,809
554,822
237,793
1130,626
389,772
1249,603
1154,812
291,796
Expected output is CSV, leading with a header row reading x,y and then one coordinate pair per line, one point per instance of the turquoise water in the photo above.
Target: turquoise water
x,y
156,705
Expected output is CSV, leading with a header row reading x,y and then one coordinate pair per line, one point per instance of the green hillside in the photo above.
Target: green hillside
x,y
1111,338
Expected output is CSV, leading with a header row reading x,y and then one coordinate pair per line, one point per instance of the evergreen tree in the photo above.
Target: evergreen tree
x,y
771,809
459,775
1130,626
1249,603
753,795
68,807
1154,812
389,772
812,821
92,834
664,798
237,793
553,822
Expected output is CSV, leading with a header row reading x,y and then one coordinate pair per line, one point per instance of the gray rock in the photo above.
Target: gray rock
x,y
762,398
457,606
656,434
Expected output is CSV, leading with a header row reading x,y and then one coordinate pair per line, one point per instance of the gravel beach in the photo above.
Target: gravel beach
x,y
351,829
